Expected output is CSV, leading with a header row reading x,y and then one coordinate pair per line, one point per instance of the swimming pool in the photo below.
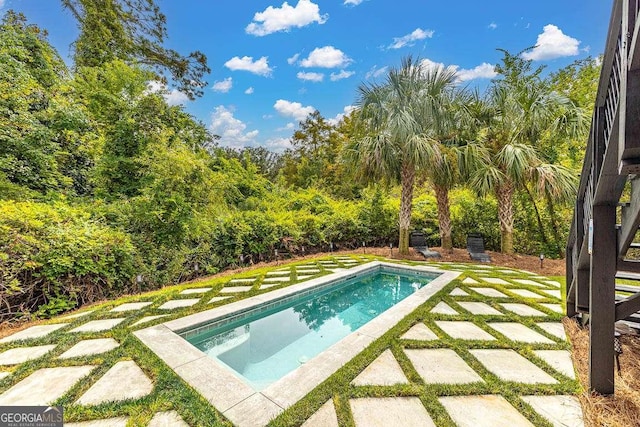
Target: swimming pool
x,y
264,347
235,397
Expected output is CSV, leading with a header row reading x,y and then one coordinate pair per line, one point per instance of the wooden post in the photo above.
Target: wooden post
x,y
602,300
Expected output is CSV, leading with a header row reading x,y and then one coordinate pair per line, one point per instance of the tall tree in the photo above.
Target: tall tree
x,y
400,116
507,154
133,30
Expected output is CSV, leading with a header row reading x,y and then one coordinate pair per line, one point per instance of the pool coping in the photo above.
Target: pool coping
x,y
233,397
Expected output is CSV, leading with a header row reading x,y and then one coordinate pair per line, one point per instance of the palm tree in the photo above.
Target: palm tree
x,y
400,115
518,112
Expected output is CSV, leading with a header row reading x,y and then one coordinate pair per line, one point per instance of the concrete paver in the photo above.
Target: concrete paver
x,y
523,309
443,308
390,411
490,292
441,366
98,325
324,417
37,331
526,293
18,355
420,332
483,411
385,370
130,306
464,331
520,333
148,319
89,347
560,360
561,411
479,308
167,419
179,303
124,380
44,386
193,291
554,328
457,292
510,366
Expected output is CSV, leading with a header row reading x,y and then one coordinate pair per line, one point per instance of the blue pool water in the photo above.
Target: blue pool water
x,y
265,347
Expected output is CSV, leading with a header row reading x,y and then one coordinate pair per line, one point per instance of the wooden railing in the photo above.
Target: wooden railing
x,y
597,245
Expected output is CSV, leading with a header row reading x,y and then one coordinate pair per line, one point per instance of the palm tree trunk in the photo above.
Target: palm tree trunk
x,y
444,217
554,224
407,175
504,194
543,235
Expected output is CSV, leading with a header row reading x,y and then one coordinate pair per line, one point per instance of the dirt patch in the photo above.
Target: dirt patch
x,y
621,409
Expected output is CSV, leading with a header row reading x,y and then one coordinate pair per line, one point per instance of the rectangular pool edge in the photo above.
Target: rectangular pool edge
x,y
236,399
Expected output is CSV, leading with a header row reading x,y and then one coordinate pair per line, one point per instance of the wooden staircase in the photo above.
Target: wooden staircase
x,y
603,266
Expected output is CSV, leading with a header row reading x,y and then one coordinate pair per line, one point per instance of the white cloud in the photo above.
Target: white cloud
x,y
311,77
345,112
492,26
326,57
173,97
231,130
294,110
293,59
375,72
246,63
352,2
482,71
552,43
274,19
288,126
411,38
278,144
223,86
343,74
249,91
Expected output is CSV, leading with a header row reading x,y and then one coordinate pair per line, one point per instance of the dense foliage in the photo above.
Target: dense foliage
x,y
105,189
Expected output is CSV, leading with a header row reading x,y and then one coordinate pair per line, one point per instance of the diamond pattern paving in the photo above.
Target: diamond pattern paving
x,y
179,303
553,307
479,308
98,325
554,328
125,380
420,332
167,419
457,292
525,293
522,309
483,411
216,299
325,417
560,360
495,281
44,386
18,355
193,291
553,292
520,333
470,281
148,319
561,411
37,331
390,411
510,366
234,289
130,306
442,366
89,347
490,292
528,282
385,370
464,331
110,422
443,308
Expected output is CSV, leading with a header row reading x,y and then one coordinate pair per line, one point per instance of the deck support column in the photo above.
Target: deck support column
x,y
602,300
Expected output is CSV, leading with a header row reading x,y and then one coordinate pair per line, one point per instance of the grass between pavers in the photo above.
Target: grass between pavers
x,y
338,386
170,392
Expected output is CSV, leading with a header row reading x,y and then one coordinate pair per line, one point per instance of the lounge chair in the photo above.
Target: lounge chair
x,y
475,246
418,241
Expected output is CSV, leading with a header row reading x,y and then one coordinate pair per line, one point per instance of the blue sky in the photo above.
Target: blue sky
x,y
274,62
